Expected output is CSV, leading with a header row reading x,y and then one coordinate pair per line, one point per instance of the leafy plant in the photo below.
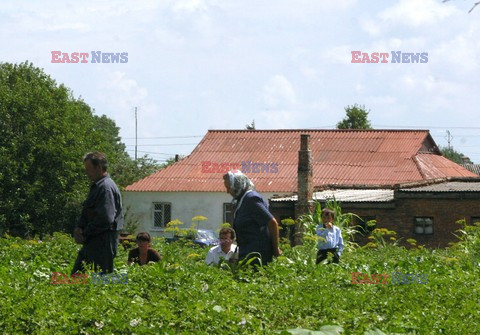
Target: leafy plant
x,y
382,237
132,222
197,219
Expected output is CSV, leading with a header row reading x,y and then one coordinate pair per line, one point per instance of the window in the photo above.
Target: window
x,y
228,213
161,214
366,224
424,225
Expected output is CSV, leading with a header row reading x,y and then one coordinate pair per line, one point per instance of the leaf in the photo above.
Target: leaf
x,y
324,330
218,308
374,332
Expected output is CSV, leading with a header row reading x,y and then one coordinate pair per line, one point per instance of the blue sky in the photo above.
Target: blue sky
x,y
195,65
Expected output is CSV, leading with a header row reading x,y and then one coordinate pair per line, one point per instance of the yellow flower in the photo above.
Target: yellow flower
x,y
288,222
393,239
199,218
194,255
175,222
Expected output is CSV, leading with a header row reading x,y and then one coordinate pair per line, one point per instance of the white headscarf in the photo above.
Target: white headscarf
x,y
239,183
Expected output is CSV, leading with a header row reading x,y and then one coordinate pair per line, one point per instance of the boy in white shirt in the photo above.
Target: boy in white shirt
x,y
225,249
331,240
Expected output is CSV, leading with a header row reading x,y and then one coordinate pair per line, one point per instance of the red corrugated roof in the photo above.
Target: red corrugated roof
x,y
341,157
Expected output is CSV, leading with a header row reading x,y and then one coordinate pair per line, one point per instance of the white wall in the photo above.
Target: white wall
x,y
185,205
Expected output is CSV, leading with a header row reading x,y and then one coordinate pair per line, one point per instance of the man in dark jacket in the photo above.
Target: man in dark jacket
x,y
101,218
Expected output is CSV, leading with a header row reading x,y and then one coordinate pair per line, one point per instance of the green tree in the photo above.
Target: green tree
x,y
126,171
455,156
357,118
44,133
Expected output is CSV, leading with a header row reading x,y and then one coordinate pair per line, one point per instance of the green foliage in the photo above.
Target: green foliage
x,y
44,134
174,226
183,295
382,237
469,245
132,221
357,118
170,161
454,155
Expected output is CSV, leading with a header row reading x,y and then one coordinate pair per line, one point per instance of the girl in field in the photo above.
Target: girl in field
x,y
144,253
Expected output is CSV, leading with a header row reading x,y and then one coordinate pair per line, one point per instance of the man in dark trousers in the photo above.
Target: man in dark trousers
x,y
101,218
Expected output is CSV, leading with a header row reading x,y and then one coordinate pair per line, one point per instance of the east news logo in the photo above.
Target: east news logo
x,y
82,57
382,57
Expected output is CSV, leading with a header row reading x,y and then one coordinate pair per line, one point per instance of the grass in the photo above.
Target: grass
x,y
182,295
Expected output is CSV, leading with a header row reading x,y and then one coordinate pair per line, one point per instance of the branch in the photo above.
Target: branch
x,y
474,5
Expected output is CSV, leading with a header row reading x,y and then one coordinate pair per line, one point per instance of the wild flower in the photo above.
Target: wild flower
x,y
135,322
288,222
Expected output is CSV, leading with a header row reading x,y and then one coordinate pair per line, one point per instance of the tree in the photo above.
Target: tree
x,y
44,134
126,171
357,118
455,156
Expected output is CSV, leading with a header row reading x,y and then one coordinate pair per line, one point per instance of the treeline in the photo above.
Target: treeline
x,y
44,134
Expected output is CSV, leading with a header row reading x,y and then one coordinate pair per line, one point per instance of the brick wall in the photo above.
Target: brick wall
x,y
444,208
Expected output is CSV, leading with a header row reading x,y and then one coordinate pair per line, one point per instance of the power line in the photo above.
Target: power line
x,y
428,127
161,137
153,153
159,145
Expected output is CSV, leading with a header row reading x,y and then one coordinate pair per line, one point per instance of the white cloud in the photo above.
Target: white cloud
x,y
189,6
460,53
122,92
279,119
417,12
341,54
370,26
279,93
381,100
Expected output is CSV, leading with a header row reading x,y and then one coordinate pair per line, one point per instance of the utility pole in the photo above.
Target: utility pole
x,y
449,139
135,134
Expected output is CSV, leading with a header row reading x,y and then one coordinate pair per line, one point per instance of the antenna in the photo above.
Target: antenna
x,y
136,134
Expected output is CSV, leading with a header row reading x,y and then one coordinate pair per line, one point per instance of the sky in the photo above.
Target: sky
x,y
195,65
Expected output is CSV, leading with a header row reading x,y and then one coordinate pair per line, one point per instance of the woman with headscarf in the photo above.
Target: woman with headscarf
x,y
255,226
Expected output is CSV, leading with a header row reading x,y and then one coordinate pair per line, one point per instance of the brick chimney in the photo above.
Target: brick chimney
x,y
305,184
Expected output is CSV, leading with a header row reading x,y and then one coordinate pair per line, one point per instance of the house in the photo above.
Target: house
x,y
475,168
425,211
347,158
